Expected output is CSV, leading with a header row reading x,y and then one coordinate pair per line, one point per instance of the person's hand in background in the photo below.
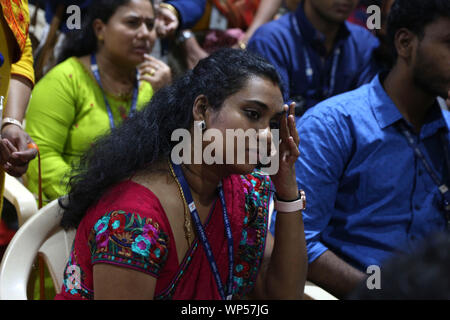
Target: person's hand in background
x,y
15,154
156,72
167,20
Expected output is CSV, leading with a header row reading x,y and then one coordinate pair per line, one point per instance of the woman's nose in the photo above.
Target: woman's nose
x,y
145,32
267,138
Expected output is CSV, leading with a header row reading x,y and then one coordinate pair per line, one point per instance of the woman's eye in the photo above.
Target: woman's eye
x,y
133,23
252,114
150,25
275,125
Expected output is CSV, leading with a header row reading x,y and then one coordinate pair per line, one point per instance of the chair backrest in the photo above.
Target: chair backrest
x,y
40,234
21,198
314,292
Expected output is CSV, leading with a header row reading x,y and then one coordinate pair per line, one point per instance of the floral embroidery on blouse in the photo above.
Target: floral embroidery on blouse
x,y
128,240
251,247
74,281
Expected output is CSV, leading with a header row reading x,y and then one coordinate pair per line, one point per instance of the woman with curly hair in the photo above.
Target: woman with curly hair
x,y
150,228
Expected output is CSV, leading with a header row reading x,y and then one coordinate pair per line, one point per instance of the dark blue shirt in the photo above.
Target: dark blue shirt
x,y
284,45
190,11
368,195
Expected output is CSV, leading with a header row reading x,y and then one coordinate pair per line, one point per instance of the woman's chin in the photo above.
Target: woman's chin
x,y
242,169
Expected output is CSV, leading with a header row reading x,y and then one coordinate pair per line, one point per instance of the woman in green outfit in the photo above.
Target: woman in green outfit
x,y
106,75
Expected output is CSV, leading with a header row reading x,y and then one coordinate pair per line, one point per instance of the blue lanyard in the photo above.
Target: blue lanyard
x,y
202,235
309,71
443,188
94,69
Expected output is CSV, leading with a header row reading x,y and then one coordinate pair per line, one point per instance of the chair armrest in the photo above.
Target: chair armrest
x,y
21,198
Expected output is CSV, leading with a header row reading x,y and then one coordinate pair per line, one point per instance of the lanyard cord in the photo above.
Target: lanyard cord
x,y
309,71
95,71
443,188
202,234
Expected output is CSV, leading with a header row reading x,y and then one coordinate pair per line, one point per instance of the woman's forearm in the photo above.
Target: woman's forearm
x,y
18,97
286,273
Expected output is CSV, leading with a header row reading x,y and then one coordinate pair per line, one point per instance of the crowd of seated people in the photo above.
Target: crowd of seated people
x,y
362,116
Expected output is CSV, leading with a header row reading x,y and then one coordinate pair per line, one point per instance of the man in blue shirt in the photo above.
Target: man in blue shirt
x,y
369,192
316,51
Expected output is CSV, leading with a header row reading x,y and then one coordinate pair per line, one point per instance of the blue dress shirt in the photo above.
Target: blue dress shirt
x,y
368,195
284,45
190,11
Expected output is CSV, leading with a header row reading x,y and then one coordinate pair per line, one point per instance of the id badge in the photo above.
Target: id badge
x,y
217,20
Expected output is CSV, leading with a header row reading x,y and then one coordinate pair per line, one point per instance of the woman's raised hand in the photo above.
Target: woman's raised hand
x,y
284,180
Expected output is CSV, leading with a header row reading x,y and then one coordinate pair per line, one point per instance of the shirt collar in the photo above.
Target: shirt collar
x,y
313,36
386,113
382,105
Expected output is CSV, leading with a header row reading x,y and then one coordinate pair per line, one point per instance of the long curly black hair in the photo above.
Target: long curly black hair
x,y
145,137
78,43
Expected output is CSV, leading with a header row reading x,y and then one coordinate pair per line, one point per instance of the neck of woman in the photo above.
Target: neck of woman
x,y
203,181
115,74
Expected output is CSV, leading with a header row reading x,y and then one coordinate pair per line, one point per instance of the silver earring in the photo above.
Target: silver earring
x,y
202,125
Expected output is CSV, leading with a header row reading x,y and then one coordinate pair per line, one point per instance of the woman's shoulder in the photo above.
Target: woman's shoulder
x,y
70,69
133,197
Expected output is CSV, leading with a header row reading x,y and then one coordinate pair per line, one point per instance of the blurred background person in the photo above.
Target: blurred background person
x,y
16,83
105,75
317,52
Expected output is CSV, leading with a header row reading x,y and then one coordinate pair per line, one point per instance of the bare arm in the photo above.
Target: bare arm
x,y
19,154
334,275
193,51
266,11
118,283
285,274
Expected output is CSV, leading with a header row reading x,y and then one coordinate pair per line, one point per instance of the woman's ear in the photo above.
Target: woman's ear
x,y
199,110
99,29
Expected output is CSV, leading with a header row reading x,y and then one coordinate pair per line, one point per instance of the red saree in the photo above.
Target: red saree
x,y
128,227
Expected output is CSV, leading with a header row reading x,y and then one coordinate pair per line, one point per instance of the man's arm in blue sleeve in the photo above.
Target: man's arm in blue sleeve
x,y
190,11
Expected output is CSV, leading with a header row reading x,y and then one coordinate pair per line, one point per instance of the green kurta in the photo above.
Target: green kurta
x,y
66,114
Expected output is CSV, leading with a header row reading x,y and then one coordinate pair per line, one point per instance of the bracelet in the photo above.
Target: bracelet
x,y
171,8
7,121
291,206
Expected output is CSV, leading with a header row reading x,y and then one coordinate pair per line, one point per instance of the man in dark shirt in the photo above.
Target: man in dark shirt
x,y
375,161
316,51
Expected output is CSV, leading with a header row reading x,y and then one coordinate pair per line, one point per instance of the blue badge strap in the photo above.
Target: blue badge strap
x,y
94,69
337,53
202,234
446,194
309,71
443,189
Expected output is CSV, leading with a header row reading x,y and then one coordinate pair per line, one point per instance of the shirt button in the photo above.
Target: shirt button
x,y
412,237
417,207
420,172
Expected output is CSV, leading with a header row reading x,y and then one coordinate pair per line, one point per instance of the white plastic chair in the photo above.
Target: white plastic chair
x,y
21,198
42,235
314,292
